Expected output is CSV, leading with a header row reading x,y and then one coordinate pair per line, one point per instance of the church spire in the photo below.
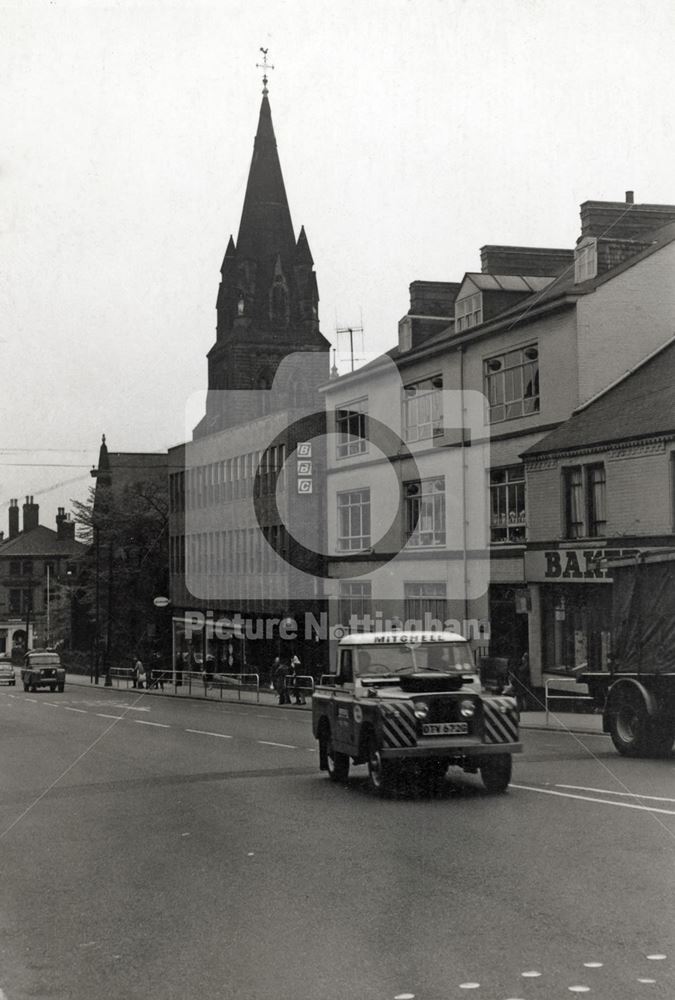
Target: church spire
x,y
265,229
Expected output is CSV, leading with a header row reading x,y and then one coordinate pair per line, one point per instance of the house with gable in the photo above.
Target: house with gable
x,y
600,486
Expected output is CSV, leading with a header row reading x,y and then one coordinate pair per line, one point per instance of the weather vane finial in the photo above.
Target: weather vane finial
x,y
264,65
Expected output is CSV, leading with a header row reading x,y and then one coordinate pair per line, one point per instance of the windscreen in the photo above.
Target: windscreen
x,y
438,657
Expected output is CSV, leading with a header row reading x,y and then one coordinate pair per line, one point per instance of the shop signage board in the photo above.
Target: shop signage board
x,y
582,565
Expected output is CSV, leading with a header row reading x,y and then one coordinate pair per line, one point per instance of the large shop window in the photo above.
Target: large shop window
x,y
507,504
576,627
353,520
585,500
511,383
423,409
425,512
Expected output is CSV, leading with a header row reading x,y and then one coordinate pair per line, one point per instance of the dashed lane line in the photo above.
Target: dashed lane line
x,y
68,708
102,716
268,743
602,802
608,791
204,732
144,722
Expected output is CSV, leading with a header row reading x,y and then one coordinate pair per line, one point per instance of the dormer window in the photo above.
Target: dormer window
x,y
586,260
469,311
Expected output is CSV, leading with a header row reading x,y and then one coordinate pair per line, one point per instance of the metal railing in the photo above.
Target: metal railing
x,y
298,685
119,674
561,697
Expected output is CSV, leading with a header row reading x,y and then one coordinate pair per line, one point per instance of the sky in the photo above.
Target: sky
x,y
410,133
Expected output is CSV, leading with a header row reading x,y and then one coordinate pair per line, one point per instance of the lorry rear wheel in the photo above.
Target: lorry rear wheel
x,y
380,772
496,773
337,764
629,725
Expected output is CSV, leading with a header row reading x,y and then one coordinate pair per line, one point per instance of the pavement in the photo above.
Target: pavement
x,y
574,722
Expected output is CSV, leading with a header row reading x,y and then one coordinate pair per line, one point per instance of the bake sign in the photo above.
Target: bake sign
x,y
574,565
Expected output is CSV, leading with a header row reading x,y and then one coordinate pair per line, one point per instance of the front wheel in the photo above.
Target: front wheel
x,y
26,687
337,764
381,772
496,772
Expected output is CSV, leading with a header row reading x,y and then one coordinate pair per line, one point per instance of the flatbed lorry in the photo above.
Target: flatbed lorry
x,y
412,701
637,693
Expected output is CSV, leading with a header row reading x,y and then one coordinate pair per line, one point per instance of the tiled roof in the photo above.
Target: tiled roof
x,y
641,405
41,541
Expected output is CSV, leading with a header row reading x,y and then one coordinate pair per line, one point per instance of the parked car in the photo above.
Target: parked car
x,y
7,672
42,668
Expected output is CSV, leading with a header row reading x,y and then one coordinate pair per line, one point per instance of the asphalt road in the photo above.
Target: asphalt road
x,y
155,848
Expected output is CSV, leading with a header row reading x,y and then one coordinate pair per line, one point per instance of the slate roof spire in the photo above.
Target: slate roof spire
x,y
266,228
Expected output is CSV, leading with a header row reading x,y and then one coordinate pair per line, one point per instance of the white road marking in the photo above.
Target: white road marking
x,y
144,722
204,732
132,708
102,716
646,980
607,791
286,746
530,975
83,710
592,965
30,699
54,704
656,958
603,802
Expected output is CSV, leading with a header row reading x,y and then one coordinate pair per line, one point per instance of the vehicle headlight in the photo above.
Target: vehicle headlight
x,y
421,710
467,708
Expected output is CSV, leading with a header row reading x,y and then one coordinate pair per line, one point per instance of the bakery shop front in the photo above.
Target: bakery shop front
x,y
570,597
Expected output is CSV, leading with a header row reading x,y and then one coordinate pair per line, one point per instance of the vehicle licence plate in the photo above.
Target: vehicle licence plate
x,y
444,728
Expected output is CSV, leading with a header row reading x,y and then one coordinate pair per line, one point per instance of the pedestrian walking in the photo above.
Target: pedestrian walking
x,y
295,681
139,674
280,685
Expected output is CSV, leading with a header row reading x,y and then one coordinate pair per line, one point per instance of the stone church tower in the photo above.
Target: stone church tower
x,y
267,306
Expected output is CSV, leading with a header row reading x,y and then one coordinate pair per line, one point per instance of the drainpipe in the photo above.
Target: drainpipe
x,y
465,567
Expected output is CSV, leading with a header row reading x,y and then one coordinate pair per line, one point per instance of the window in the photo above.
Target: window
x,y
19,602
596,500
425,512
586,260
350,424
468,311
424,603
574,502
353,520
423,409
507,504
354,601
512,383
585,500
27,567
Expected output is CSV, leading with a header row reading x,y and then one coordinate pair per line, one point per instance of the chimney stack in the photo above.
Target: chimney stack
x,y
630,197
13,518
65,528
30,515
